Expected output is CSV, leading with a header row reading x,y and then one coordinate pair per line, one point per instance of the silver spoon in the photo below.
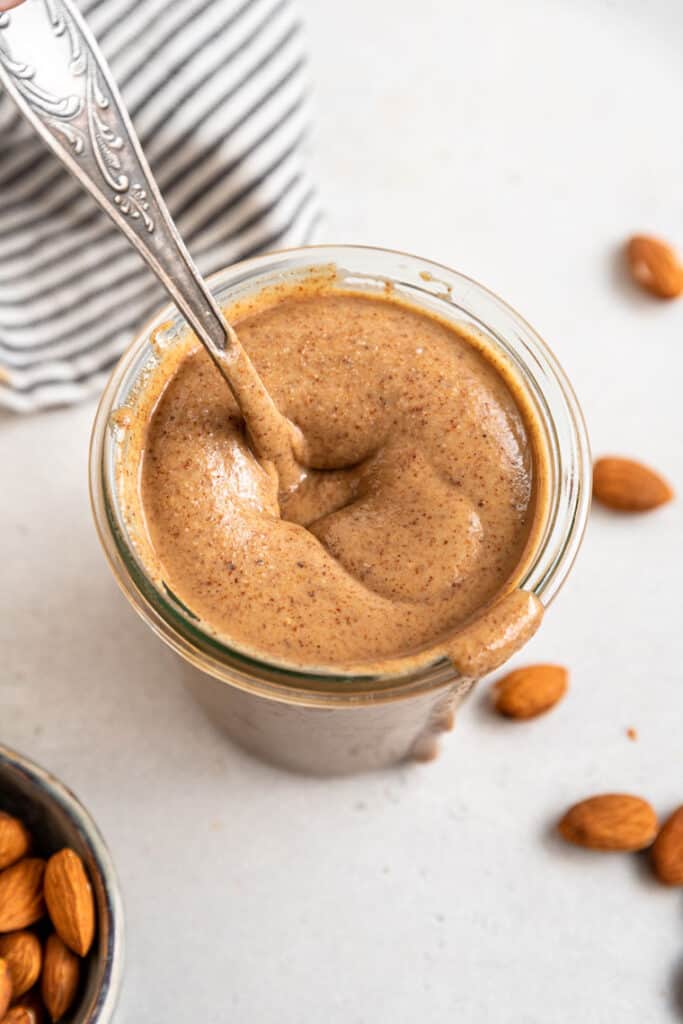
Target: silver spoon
x,y
54,71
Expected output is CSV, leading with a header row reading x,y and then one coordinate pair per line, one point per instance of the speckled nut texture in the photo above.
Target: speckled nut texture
x,y
423,514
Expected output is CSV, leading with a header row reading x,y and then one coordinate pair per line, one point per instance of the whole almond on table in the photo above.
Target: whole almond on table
x,y
21,894
629,486
69,899
655,266
15,840
61,974
529,691
24,956
612,821
667,852
5,987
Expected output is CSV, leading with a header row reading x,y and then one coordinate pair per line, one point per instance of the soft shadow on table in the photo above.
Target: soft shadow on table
x,y
624,284
676,988
642,868
9,418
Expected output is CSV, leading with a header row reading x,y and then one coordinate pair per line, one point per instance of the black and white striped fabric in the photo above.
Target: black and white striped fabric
x,y
218,94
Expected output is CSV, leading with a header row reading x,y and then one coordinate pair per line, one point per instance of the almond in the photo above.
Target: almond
x,y
5,987
15,840
654,266
629,486
24,956
19,1015
70,901
61,972
21,894
32,1004
667,853
613,821
527,692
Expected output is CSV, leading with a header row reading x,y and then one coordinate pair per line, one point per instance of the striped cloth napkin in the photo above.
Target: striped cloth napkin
x,y
217,90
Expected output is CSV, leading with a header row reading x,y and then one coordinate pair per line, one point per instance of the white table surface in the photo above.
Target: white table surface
x,y
519,143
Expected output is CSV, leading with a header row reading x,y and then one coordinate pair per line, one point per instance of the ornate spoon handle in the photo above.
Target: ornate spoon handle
x,y
69,96
52,68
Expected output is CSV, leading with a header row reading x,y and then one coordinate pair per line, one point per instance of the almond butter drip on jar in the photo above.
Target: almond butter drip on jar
x,y
421,499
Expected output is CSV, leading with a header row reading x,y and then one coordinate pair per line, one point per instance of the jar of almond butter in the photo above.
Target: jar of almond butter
x,y
341,715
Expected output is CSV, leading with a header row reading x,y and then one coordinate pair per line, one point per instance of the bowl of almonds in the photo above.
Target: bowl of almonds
x,y
61,917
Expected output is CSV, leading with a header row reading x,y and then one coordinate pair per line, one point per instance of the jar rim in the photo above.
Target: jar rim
x,y
429,282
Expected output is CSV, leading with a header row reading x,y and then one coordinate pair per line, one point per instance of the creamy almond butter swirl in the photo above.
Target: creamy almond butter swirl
x,y
427,505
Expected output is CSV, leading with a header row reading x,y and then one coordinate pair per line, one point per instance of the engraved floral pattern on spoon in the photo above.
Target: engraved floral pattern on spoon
x,y
87,118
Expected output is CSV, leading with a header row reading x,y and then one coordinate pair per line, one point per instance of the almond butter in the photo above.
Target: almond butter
x,y
629,486
24,956
15,840
21,894
70,901
529,691
654,266
612,821
61,974
5,987
667,853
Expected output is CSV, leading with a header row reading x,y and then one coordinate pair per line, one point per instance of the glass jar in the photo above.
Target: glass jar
x,y
329,723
